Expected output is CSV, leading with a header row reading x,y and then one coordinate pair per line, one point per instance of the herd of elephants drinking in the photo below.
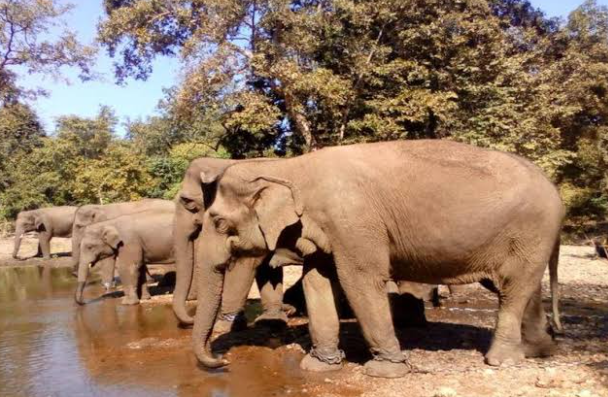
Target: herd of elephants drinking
x,y
356,218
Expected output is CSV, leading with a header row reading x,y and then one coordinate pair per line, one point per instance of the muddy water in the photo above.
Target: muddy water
x,y
51,347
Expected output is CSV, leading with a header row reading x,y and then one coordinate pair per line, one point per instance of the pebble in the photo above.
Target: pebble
x,y
445,392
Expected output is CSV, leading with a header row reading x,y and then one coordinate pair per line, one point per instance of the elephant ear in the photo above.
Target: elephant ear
x,y
285,257
277,206
110,236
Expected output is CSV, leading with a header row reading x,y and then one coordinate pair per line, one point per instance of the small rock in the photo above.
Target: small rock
x,y
445,392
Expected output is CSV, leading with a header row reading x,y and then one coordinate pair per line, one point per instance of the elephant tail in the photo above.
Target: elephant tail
x,y
553,263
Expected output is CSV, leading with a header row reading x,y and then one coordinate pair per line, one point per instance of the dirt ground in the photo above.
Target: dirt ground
x,y
447,355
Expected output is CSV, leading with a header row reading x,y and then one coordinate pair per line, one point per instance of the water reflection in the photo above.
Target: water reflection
x,y
49,346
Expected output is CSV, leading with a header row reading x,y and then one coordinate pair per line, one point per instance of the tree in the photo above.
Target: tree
x,y
119,175
89,138
578,76
20,133
317,73
49,173
24,44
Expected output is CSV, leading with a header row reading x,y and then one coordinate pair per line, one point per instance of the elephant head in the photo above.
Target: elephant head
x,y
85,216
195,195
27,221
98,243
246,220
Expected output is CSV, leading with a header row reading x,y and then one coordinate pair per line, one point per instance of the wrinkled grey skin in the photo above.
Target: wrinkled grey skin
x,y
434,212
91,214
48,222
132,241
192,200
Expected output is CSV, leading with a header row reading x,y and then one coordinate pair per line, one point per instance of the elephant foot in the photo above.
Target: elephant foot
x,y
385,369
289,310
272,319
145,296
502,354
129,301
313,364
544,347
107,287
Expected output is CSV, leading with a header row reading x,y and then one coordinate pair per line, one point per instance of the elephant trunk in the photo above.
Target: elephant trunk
x,y
210,283
18,236
184,265
76,239
83,273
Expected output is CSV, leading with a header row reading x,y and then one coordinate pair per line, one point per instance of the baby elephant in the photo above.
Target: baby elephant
x,y
134,241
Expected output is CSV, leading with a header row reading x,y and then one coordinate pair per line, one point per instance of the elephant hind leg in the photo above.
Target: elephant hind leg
x,y
515,292
44,244
142,283
536,331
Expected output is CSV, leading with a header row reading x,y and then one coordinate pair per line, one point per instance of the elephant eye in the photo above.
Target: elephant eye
x,y
222,225
189,204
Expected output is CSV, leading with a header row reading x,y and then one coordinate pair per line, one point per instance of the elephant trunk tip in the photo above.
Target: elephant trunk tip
x,y
78,296
181,313
207,360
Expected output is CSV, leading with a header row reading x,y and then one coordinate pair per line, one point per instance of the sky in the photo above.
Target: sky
x,y
139,99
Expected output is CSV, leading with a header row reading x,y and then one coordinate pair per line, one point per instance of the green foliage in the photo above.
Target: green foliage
x,y
283,77
169,170
288,76
119,175
20,133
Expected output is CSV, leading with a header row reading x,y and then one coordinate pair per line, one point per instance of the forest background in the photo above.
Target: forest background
x,y
279,78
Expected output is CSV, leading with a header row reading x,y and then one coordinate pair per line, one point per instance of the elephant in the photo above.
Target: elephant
x,y
48,222
427,211
192,200
132,241
90,214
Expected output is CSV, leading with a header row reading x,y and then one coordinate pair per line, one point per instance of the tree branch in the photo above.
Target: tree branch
x,y
358,81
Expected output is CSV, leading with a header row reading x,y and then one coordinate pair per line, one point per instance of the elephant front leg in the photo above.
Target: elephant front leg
x,y
366,293
237,284
270,284
44,244
323,323
129,276
106,270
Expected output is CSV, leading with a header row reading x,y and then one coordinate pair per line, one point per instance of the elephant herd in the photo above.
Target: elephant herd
x,y
355,218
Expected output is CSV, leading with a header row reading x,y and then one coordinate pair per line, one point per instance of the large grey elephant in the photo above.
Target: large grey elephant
x,y
48,222
132,241
435,212
192,200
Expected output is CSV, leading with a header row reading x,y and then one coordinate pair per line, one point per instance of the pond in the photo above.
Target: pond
x,y
49,346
